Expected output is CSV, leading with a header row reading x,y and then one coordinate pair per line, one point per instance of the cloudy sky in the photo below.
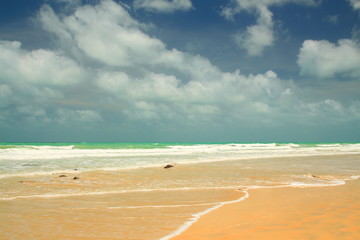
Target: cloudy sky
x,y
180,70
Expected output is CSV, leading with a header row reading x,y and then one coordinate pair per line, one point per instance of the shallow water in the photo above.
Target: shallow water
x,y
45,159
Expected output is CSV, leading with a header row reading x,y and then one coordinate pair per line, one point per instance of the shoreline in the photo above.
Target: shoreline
x,y
163,204
239,213
196,217
161,165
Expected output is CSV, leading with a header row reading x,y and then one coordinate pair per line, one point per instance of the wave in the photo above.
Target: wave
x,y
163,206
27,160
196,217
31,152
80,194
291,184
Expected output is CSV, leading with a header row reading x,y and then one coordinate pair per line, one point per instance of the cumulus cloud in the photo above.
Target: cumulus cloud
x,y
165,6
149,81
105,32
38,66
332,112
108,34
132,77
5,94
323,59
136,75
66,116
226,95
328,105
34,80
69,4
355,4
355,109
261,35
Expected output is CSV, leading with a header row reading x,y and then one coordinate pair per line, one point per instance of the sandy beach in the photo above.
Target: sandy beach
x,y
306,196
179,120
329,213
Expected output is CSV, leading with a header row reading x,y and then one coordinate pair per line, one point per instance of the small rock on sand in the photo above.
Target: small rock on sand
x,y
169,166
62,175
75,178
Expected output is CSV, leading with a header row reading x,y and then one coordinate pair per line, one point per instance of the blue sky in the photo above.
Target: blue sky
x,y
180,70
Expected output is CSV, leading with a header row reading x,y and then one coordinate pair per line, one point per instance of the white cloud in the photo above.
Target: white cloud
x,y
69,4
108,34
257,37
114,82
105,32
355,109
38,66
165,6
5,95
225,95
131,75
88,116
148,81
323,59
67,116
355,4
331,111
34,80
328,105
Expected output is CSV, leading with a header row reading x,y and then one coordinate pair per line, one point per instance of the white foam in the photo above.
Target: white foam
x,y
47,160
79,194
162,206
301,185
197,216
270,149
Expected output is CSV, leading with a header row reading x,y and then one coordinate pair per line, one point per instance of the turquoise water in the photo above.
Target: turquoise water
x,y
145,145
83,145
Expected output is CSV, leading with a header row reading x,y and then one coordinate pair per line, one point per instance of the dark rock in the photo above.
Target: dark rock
x,y
62,175
169,166
75,178
76,169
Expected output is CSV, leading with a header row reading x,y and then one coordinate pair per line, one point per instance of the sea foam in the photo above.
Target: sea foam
x,y
33,159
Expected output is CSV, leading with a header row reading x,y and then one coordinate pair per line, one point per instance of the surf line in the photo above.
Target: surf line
x,y
195,217
64,195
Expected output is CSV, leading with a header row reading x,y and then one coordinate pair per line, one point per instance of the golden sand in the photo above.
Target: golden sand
x,y
328,213
105,216
151,203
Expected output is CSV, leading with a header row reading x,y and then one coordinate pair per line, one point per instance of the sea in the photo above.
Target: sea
x,y
122,190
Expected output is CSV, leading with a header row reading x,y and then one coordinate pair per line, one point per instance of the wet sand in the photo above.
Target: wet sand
x,y
133,215
153,203
328,213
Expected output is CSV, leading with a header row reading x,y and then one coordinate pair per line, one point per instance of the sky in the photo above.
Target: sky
x,y
180,71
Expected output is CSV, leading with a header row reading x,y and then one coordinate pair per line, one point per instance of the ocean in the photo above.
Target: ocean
x,y
122,191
